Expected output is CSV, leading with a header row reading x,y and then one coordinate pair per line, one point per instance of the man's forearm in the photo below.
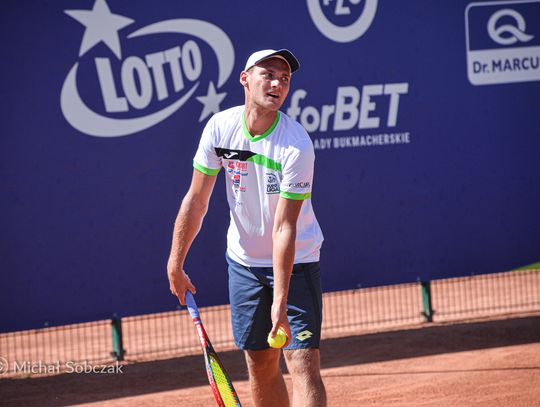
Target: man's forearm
x,y
284,238
187,225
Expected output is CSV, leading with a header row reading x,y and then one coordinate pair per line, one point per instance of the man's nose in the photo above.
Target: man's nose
x,y
275,83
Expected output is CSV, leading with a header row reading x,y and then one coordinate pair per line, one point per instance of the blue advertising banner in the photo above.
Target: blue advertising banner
x,y
424,117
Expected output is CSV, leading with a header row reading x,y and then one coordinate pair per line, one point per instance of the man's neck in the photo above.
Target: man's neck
x,y
259,120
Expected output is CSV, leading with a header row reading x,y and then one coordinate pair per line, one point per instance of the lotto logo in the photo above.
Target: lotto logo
x,y
139,90
302,336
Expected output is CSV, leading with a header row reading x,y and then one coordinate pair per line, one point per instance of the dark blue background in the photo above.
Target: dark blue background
x,y
87,221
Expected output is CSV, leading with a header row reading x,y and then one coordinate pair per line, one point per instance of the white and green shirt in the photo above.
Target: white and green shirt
x,y
258,170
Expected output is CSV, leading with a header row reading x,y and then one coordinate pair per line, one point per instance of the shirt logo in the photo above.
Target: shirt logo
x,y
241,155
301,185
238,171
272,184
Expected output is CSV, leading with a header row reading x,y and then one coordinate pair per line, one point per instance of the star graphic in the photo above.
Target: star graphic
x,y
210,102
101,25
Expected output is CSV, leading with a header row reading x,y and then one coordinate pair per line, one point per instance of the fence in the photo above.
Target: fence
x,y
50,349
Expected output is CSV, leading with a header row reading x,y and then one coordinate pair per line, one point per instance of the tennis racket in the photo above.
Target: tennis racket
x,y
220,381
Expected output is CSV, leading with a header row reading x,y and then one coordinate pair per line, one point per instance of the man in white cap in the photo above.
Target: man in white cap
x,y
274,239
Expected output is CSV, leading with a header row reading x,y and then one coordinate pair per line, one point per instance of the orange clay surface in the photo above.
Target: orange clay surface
x,y
477,363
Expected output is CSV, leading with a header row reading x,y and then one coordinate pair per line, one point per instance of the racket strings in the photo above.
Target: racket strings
x,y
223,383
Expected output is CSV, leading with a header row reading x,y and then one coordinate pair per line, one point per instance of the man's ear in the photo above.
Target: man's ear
x,y
243,79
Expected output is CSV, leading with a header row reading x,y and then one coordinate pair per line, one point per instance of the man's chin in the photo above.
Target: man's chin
x,y
270,105
273,105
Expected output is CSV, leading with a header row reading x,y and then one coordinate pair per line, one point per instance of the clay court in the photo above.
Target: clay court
x,y
378,350
475,363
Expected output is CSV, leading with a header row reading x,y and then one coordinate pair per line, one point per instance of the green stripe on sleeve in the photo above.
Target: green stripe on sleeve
x,y
204,170
265,162
296,197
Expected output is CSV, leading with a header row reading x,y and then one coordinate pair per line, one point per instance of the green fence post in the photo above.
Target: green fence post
x,y
426,301
118,341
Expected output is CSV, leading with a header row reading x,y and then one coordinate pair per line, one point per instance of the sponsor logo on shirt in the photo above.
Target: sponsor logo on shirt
x,y
302,185
237,167
238,170
237,183
241,155
272,184
241,168
231,154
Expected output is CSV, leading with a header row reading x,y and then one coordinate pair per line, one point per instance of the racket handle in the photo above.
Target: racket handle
x,y
191,305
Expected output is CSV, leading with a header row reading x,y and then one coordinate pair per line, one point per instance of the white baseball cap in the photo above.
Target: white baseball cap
x,y
284,54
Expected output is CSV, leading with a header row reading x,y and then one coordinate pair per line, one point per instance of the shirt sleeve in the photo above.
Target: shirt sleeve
x,y
206,159
297,171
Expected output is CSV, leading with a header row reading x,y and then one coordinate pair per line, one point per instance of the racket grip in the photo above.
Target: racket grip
x,y
191,305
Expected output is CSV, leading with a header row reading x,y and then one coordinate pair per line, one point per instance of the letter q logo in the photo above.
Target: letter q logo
x,y
339,33
513,33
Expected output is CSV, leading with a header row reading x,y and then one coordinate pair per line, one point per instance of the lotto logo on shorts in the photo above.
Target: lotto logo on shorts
x,y
503,42
302,336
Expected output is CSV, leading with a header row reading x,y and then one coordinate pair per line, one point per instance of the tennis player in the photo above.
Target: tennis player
x,y
273,240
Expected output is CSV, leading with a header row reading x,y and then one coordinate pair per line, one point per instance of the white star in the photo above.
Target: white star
x,y
211,101
101,25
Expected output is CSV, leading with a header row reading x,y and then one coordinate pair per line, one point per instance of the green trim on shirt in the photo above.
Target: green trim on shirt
x,y
296,197
204,170
265,134
265,162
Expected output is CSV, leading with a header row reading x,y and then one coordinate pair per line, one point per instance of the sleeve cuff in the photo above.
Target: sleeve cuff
x,y
204,170
296,197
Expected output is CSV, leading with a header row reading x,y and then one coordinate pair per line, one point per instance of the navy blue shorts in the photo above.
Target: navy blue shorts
x,y
251,293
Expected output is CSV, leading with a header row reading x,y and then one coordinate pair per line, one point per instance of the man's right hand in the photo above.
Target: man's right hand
x,y
179,282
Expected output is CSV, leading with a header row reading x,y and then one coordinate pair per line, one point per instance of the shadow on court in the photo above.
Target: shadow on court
x,y
185,372
427,341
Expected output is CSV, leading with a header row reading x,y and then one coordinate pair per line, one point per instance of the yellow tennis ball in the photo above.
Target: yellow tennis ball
x,y
279,340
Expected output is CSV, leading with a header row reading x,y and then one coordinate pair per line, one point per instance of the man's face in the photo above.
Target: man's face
x,y
267,83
